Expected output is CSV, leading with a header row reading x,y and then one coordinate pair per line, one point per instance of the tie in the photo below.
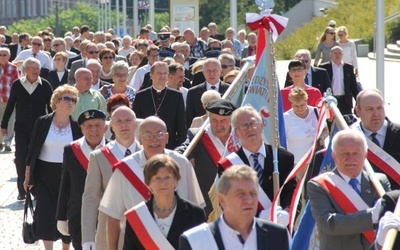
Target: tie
x,y
127,152
258,168
353,182
374,140
213,88
306,79
34,55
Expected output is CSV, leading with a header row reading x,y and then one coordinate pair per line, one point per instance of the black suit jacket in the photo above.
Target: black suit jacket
x,y
320,79
194,107
52,77
73,59
286,162
13,50
39,134
171,111
269,236
187,216
350,84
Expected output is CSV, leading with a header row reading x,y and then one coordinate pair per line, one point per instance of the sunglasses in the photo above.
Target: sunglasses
x,y
108,57
93,52
68,99
56,44
331,33
226,66
36,44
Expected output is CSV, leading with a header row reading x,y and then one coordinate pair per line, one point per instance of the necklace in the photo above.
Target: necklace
x,y
154,103
168,210
104,73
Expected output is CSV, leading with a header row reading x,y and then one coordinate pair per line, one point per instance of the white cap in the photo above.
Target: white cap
x,y
332,23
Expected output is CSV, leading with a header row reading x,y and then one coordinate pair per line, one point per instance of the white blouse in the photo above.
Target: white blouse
x,y
165,223
53,147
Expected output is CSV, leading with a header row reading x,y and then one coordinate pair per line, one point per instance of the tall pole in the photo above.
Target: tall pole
x,y
117,16
57,20
233,14
151,13
109,15
135,18
124,17
380,45
99,16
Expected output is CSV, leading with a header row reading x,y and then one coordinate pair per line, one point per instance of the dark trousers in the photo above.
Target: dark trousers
x,y
22,140
342,105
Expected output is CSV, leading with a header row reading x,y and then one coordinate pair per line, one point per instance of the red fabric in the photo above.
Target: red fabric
x,y
314,97
343,201
266,22
140,230
109,156
76,148
382,165
211,149
8,74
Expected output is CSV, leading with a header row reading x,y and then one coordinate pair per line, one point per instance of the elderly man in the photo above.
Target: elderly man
x,y
212,72
91,52
383,136
211,147
163,102
95,67
8,74
60,45
88,98
248,126
342,201
123,123
251,49
153,136
74,168
30,96
138,77
35,52
343,80
227,63
197,46
127,47
315,76
237,228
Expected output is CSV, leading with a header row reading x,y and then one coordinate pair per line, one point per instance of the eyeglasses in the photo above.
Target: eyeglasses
x,y
93,52
121,75
68,99
293,70
56,44
246,126
226,66
149,136
108,57
3,55
36,44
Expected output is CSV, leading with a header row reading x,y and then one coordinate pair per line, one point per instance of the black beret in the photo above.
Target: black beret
x,y
166,52
164,36
91,114
221,107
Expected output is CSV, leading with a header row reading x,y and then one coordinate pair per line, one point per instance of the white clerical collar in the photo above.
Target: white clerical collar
x,y
159,90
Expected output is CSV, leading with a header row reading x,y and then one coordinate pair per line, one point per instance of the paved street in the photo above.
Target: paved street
x,y
11,210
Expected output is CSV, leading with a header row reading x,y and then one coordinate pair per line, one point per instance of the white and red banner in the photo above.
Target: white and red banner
x,y
83,160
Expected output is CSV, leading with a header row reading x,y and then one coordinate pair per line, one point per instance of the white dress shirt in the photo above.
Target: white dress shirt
x,y
230,237
337,79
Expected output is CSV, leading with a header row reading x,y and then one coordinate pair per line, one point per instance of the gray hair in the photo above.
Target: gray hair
x,y
29,62
119,65
93,62
302,52
244,109
210,95
228,57
346,134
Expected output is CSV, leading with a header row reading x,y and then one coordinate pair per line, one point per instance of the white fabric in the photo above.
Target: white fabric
x,y
261,157
347,179
337,79
124,52
230,236
53,147
184,92
86,149
200,238
164,224
216,141
138,77
30,87
122,149
116,205
44,59
60,75
388,221
62,227
300,132
309,75
209,85
96,86
380,134
349,53
89,246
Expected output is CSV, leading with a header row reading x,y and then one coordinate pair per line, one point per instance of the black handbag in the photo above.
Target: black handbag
x,y
28,228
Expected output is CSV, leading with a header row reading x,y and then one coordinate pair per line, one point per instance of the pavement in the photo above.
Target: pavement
x,y
11,210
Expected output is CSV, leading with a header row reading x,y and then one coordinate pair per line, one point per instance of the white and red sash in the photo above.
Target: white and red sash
x,y
381,159
211,148
109,155
200,237
134,174
77,150
233,159
146,229
344,195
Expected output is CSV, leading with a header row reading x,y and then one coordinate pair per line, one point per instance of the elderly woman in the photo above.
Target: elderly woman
x,y
106,57
119,74
301,123
45,155
206,97
172,215
326,43
59,75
